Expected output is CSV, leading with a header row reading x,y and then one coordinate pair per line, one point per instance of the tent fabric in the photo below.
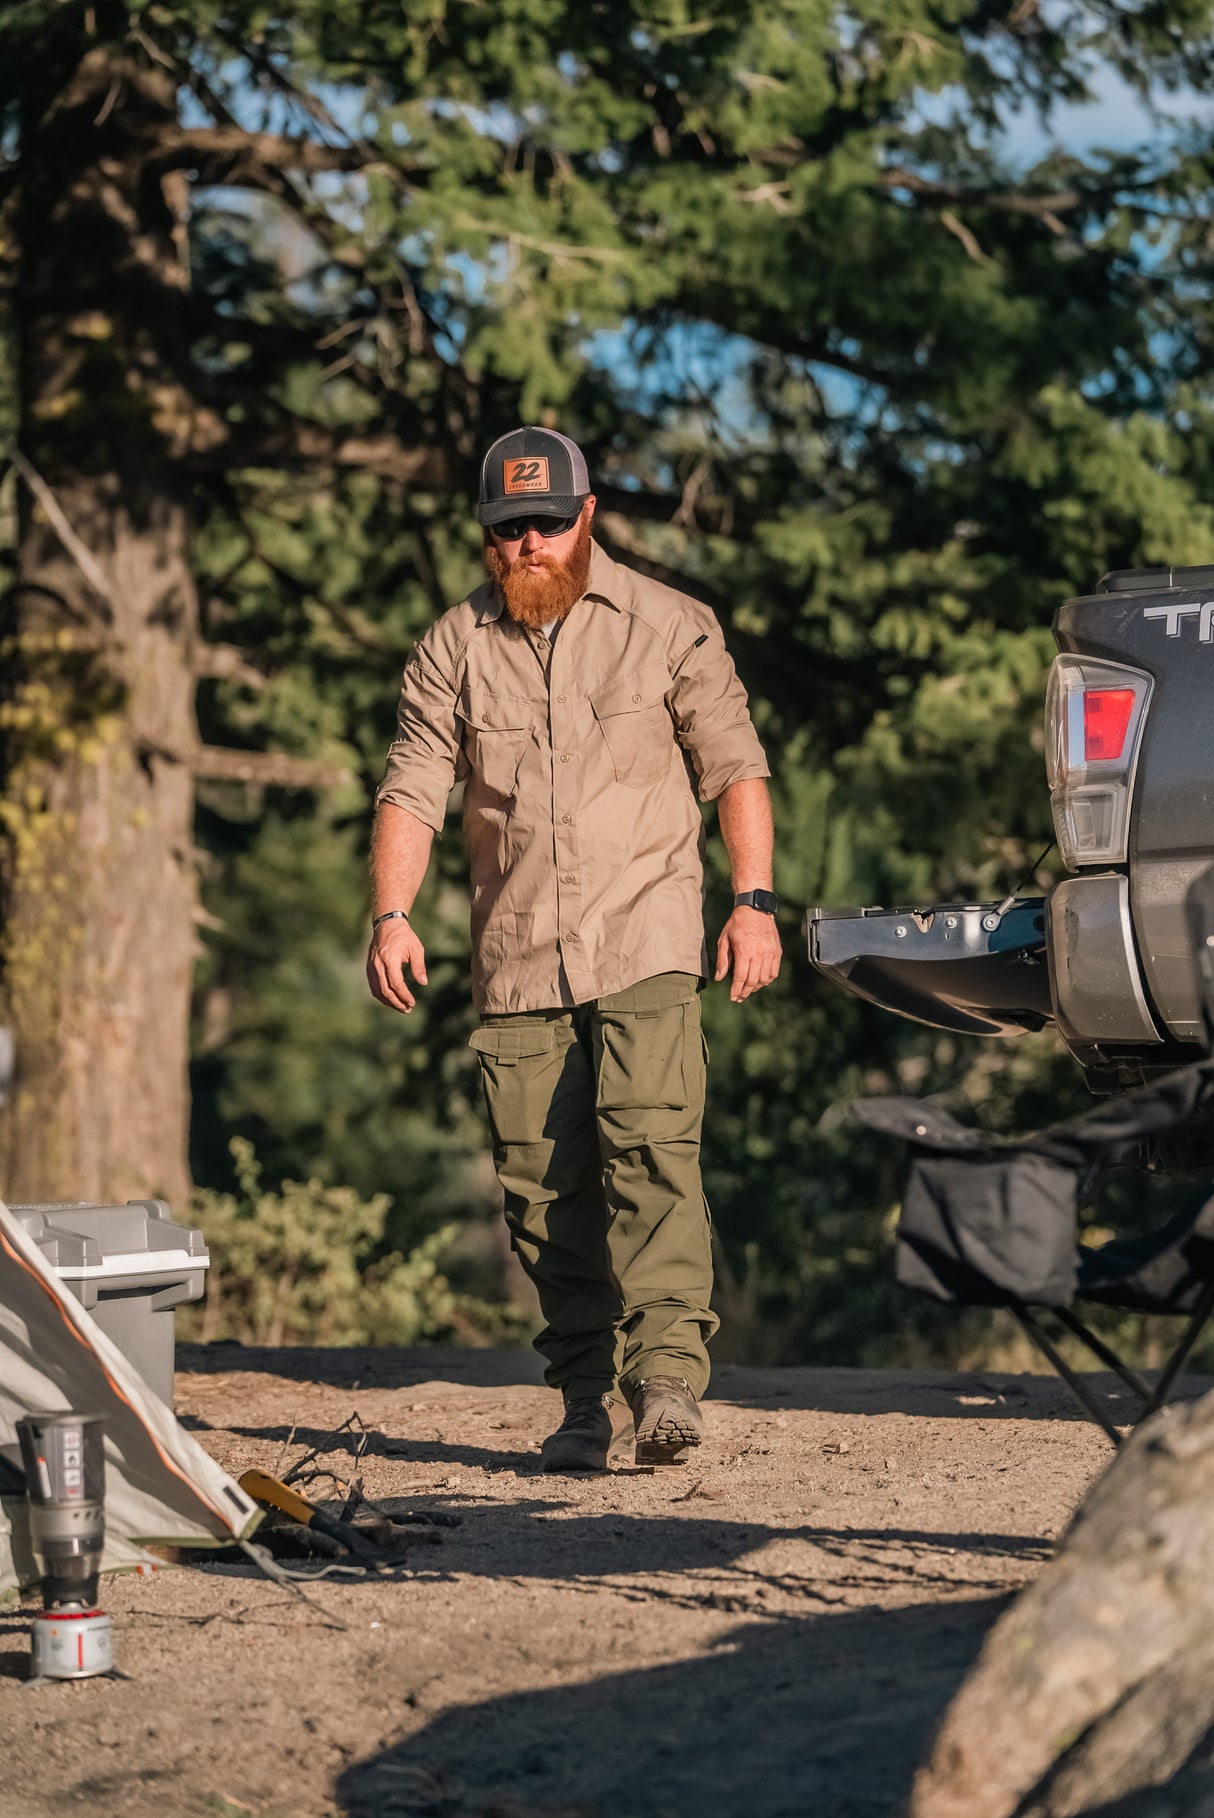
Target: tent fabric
x,y
160,1484
16,1547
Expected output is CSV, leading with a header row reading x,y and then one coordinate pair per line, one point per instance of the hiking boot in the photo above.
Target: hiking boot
x,y
668,1420
583,1439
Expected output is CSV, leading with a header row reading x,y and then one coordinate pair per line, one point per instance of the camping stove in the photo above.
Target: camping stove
x,y
64,1460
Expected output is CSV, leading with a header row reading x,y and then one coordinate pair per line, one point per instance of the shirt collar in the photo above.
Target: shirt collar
x,y
604,580
486,602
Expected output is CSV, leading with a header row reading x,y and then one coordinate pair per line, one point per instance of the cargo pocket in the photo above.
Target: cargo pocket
x,y
644,1064
519,1072
636,725
494,738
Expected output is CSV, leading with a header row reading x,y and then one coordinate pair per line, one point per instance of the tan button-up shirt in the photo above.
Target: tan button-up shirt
x,y
580,759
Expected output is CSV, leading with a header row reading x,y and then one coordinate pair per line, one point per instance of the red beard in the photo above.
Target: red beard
x,y
536,596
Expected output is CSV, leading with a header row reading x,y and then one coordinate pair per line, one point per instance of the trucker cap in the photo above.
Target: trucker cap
x,y
532,470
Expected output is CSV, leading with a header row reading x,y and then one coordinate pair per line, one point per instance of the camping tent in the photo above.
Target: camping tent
x,y
161,1487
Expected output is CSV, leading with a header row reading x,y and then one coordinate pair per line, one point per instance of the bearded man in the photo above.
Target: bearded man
x,y
584,707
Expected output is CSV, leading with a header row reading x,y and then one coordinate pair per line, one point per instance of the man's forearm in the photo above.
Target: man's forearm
x,y
744,811
400,854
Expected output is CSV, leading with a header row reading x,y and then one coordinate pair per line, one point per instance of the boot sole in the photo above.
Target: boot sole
x,y
562,1464
670,1443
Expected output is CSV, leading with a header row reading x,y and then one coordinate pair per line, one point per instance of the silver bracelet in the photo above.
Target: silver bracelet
x,y
388,915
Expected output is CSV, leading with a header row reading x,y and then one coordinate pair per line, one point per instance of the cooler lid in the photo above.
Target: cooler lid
x,y
81,1239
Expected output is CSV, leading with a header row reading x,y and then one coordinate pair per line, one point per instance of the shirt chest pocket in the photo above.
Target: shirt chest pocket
x,y
494,735
636,724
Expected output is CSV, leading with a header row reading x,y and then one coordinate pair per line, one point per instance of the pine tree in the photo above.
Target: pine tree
x,y
879,396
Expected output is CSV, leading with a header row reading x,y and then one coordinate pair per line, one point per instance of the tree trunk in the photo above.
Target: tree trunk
x,y
1098,1684
96,797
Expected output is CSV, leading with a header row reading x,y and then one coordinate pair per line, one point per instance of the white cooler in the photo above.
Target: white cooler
x,y
130,1267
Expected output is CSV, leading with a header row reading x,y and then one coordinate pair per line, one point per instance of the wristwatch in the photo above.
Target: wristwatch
x,y
765,901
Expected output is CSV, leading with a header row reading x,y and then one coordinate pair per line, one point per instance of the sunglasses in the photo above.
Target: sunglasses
x,y
513,530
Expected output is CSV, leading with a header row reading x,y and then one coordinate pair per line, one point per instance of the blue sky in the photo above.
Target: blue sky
x,y
1116,119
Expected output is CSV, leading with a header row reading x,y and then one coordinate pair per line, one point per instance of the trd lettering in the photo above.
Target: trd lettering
x,y
1174,616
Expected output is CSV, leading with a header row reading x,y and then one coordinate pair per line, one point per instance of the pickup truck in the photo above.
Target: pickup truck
x,y
1106,955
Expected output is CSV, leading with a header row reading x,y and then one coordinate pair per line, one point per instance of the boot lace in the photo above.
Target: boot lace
x,y
586,1411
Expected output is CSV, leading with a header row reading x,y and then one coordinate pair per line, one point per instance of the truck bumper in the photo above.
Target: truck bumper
x,y
963,967
1095,977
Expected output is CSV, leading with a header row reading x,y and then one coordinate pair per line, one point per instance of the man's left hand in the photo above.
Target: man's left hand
x,y
750,943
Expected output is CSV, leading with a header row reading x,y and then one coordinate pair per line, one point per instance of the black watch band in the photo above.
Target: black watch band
x,y
765,901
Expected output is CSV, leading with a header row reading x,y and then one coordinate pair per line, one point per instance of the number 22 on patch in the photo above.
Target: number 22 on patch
x,y
530,474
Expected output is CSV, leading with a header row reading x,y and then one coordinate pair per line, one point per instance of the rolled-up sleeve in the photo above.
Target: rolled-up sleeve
x,y
709,706
425,759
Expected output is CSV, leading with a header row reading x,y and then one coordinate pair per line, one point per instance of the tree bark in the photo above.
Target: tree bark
x,y
1097,1686
99,638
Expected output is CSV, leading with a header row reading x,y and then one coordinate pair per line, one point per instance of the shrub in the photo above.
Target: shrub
x,y
302,1266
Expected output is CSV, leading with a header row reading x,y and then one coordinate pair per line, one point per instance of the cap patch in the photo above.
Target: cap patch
x,y
528,474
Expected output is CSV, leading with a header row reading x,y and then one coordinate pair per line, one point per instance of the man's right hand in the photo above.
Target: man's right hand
x,y
396,954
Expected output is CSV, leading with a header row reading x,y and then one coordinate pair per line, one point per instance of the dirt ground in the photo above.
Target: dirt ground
x,y
769,1632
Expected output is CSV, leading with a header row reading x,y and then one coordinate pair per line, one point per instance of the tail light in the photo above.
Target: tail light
x,y
1094,715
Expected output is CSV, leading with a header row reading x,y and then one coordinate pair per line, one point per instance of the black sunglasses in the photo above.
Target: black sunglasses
x,y
513,530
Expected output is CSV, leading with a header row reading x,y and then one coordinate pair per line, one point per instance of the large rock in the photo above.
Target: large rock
x,y
1098,1683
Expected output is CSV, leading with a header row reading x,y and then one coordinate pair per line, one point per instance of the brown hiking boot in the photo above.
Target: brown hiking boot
x,y
583,1439
668,1420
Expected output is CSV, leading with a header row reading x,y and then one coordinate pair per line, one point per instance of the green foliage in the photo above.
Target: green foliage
x,y
306,1265
845,369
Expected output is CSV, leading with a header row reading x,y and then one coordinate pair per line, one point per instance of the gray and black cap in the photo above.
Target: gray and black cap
x,y
532,470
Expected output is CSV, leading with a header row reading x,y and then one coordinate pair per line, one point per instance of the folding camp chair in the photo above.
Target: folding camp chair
x,y
990,1222
994,1223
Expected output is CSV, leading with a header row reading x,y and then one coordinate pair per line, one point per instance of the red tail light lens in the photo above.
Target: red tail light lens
x,y
1106,720
1094,715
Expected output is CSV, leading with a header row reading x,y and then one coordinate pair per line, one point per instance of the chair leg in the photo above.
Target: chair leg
x,y
1180,1356
1107,1356
1074,1383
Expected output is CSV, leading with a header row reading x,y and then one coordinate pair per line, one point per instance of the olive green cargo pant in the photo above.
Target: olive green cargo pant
x,y
596,1116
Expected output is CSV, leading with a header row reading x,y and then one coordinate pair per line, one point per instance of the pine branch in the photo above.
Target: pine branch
x,y
227,663
282,84
352,153
717,516
229,764
76,548
223,154
299,443
355,627
270,769
1045,206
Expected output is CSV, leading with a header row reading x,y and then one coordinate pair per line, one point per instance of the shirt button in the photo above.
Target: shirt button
x,y
571,937
561,699
569,878
636,697
564,757
566,818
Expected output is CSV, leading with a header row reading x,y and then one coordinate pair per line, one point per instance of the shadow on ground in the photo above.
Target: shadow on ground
x,y
930,1394
700,1563
367,1367
824,1716
435,1451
